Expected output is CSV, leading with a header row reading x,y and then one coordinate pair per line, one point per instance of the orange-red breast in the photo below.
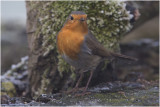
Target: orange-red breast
x,y
80,48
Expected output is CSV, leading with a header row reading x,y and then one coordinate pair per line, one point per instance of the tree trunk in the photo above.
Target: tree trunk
x,y
107,20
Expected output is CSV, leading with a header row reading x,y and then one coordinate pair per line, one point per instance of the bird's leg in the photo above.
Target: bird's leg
x,y
80,78
90,77
84,91
77,84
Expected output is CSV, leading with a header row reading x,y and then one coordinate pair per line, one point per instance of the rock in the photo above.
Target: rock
x,y
43,98
4,99
121,94
107,94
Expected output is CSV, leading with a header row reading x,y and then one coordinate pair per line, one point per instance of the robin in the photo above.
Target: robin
x,y
80,48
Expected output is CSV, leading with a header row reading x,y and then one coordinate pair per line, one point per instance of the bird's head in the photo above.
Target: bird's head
x,y
77,21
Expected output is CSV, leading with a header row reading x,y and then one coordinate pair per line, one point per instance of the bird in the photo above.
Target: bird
x,y
78,46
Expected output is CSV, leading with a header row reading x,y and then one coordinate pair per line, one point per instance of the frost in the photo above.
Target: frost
x,y
119,12
13,66
131,16
23,59
53,15
102,11
124,6
108,13
117,30
40,19
93,18
46,17
126,18
22,65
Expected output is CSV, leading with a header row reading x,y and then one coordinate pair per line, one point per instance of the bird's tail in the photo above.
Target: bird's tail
x,y
124,56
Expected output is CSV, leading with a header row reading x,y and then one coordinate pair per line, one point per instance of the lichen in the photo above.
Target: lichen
x,y
107,20
8,88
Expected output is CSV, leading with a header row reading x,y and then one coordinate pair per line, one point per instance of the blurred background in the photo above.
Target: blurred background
x,y
13,33
142,40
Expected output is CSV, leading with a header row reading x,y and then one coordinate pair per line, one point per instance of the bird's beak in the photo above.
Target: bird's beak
x,y
82,19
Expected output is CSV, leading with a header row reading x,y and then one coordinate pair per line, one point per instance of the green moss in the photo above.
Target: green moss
x,y
110,97
44,82
107,20
7,88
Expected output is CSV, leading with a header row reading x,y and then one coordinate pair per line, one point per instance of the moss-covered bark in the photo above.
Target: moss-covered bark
x,y
107,20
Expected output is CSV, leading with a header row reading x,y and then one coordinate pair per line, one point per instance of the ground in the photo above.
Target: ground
x,y
140,93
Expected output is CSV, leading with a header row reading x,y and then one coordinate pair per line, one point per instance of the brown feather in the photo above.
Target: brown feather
x,y
98,49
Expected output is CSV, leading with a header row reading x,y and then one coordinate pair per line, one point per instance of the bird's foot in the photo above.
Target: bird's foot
x,y
82,94
74,90
71,91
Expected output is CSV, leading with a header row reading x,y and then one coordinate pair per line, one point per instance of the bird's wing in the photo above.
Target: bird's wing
x,y
95,47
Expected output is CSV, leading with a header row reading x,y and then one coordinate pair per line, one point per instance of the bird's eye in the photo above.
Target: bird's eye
x,y
72,18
